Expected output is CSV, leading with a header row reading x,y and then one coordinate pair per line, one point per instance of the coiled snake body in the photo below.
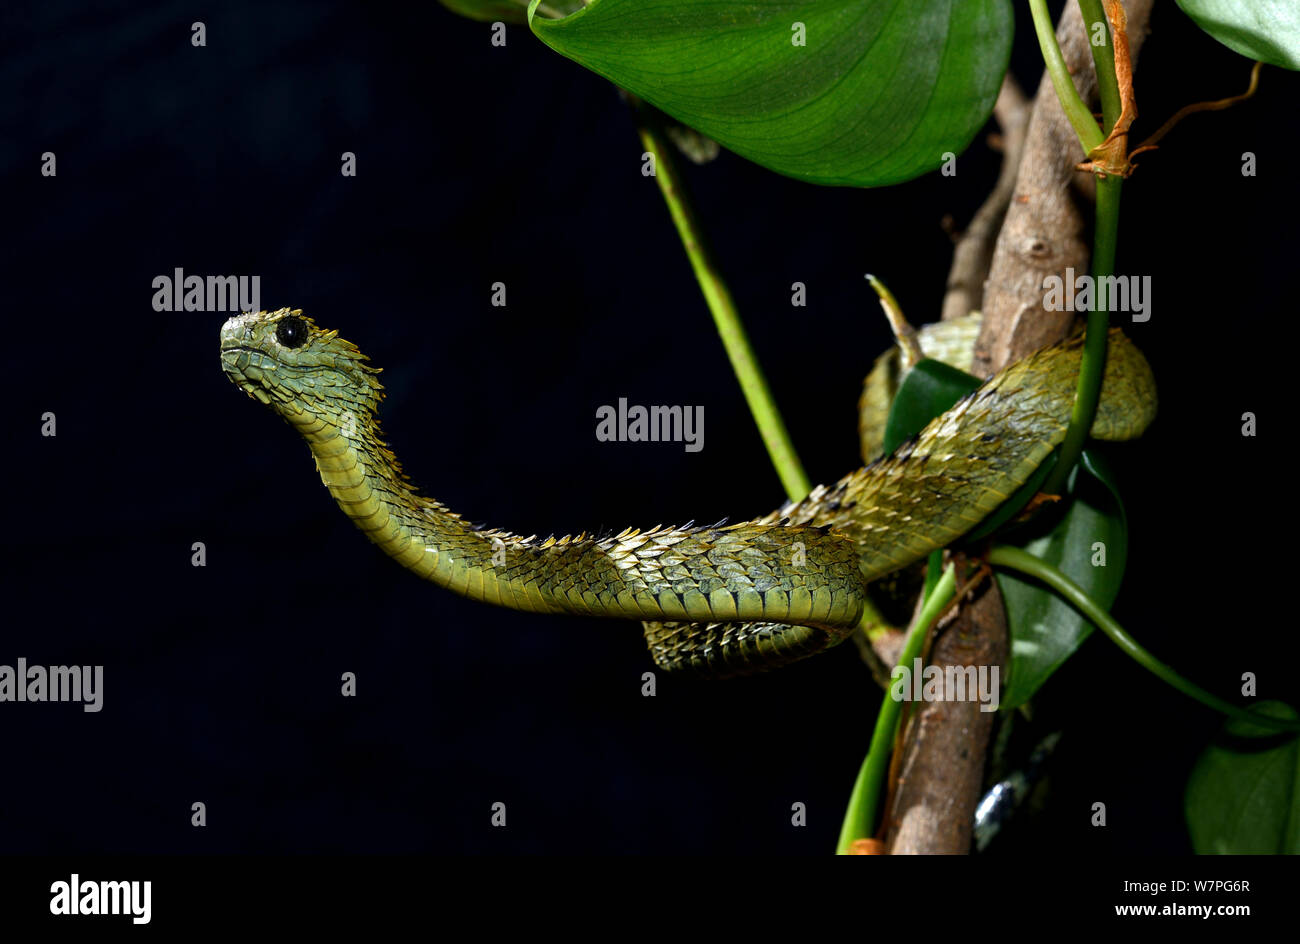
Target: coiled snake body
x,y
714,600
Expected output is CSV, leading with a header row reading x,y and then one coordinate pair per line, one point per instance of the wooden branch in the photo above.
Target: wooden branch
x,y
942,771
1045,228
942,767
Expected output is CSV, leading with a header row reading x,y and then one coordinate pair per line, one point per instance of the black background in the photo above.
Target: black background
x,y
479,164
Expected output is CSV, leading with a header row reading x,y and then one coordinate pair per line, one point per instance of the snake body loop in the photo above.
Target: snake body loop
x,y
715,600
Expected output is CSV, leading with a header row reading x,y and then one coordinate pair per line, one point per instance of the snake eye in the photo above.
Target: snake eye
x,y
291,332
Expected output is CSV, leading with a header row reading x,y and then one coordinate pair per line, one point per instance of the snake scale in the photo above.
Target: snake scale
x,y
716,601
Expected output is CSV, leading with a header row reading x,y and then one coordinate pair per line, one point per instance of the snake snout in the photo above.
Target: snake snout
x,y
238,329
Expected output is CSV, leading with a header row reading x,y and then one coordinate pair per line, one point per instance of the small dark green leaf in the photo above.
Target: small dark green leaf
x,y
1268,30
1044,629
852,92
928,389
1243,796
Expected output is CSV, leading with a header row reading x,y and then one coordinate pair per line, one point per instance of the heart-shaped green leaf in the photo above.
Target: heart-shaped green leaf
x,y
1243,796
1259,29
1089,544
852,92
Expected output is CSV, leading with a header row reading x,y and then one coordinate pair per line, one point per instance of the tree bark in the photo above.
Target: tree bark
x,y
1044,230
942,767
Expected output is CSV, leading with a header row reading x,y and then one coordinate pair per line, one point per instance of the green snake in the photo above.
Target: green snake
x,y
716,601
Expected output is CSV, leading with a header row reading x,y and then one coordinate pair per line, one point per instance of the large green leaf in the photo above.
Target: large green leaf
x,y
1260,29
1243,796
878,93
1044,629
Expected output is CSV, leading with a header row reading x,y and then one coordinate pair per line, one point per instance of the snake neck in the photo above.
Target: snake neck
x,y
421,534
736,573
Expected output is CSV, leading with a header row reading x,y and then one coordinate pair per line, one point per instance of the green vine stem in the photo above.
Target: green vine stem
x,y
1014,558
1092,365
752,382
1104,59
1075,109
1105,233
864,801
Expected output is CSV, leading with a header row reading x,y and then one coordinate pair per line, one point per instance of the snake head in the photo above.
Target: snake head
x,y
304,373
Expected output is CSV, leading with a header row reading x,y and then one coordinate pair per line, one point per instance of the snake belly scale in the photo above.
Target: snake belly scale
x,y
716,601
